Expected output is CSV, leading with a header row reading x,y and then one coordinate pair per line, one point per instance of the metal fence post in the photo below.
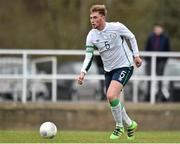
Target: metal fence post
x,y
153,79
135,91
24,86
54,80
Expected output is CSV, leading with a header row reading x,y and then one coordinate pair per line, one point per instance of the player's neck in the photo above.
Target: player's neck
x,y
101,27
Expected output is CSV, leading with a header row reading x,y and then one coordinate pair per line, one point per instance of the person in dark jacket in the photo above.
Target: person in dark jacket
x,y
160,42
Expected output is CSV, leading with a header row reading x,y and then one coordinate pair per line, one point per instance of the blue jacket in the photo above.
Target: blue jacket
x,y
164,43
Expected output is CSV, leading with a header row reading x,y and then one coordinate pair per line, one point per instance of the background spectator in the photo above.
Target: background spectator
x,y
157,41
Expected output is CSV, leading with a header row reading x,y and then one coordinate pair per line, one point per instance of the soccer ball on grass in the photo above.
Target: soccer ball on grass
x,y
48,130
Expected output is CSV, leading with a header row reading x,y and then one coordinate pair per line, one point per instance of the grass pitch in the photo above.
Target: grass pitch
x,y
87,137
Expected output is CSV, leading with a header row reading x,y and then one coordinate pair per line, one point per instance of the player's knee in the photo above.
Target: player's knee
x,y
111,96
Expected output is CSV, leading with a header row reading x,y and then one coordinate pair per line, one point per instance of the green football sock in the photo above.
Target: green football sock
x,y
114,102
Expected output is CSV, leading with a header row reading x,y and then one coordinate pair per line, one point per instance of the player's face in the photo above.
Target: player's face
x,y
97,20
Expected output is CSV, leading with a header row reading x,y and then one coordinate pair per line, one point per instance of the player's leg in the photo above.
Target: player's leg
x,y
113,98
126,119
122,76
114,104
130,124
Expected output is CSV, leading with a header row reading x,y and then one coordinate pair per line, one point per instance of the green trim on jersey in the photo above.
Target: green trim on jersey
x,y
89,64
125,51
90,49
88,46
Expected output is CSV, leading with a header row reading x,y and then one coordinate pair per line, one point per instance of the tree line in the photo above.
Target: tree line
x,y
64,24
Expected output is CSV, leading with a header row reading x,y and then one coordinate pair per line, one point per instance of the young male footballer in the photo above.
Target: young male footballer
x,y
118,59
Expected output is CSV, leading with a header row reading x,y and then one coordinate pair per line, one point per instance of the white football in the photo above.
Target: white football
x,y
48,130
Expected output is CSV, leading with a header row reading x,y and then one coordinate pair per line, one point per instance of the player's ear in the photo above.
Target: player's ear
x,y
104,18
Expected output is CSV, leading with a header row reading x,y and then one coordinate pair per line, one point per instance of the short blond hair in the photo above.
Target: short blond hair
x,y
101,9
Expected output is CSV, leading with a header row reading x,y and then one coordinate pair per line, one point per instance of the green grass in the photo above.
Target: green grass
x,y
87,137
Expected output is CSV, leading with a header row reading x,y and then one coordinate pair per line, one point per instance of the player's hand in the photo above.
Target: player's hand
x,y
80,78
138,61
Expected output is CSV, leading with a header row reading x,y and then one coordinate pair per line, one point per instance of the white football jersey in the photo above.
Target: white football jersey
x,y
112,46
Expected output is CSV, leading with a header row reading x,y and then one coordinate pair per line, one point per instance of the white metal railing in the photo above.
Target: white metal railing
x,y
54,76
